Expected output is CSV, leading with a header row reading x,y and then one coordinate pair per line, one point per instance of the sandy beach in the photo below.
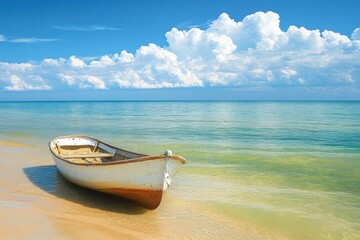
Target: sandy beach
x,y
38,203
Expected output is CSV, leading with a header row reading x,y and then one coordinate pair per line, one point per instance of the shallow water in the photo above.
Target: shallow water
x,y
256,170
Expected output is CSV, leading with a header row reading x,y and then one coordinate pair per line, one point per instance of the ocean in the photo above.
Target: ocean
x,y
256,169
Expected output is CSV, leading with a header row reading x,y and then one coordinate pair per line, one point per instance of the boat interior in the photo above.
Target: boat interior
x,y
88,150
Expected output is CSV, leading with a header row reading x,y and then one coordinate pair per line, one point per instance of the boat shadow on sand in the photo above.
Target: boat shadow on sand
x,y
51,181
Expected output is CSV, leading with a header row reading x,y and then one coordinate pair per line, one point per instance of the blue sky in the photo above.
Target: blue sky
x,y
227,50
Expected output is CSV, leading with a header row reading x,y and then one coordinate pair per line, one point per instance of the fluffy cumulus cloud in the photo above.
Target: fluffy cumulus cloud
x,y
253,53
19,85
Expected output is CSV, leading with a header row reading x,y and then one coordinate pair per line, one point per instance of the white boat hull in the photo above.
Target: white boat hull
x,y
142,179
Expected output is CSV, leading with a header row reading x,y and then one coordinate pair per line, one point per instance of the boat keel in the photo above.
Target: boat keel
x,y
149,199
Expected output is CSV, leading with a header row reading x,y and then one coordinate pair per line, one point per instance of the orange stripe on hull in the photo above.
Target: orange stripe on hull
x,y
149,199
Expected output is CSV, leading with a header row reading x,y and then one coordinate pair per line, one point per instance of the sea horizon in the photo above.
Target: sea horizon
x,y
209,100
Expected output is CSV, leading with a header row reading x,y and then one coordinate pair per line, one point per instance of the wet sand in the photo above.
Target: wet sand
x,y
36,202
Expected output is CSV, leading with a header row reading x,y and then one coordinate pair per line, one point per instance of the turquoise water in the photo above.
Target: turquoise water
x,y
286,169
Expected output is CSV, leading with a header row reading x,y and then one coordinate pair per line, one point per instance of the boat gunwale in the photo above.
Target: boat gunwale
x,y
116,162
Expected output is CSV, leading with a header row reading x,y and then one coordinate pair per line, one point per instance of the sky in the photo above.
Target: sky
x,y
179,50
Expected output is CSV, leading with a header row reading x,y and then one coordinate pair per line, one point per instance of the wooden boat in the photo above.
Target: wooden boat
x,y
91,163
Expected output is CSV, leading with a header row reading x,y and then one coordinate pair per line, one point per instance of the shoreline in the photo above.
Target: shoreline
x,y
38,203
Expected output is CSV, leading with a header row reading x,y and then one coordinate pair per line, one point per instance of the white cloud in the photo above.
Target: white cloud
x,y
124,57
32,40
3,38
68,79
19,85
336,39
259,30
76,62
288,73
95,82
197,44
152,67
87,28
53,62
249,54
303,39
356,34
15,67
103,62
83,81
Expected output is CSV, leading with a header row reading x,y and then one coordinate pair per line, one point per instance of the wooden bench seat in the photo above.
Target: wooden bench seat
x,y
89,155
